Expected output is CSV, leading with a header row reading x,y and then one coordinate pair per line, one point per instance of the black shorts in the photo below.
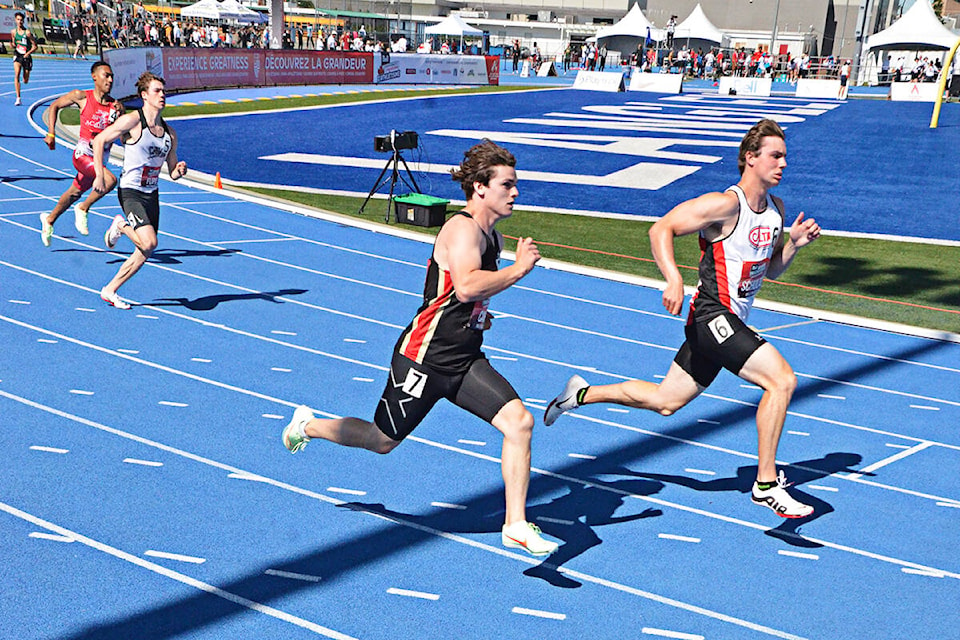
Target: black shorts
x,y
412,390
141,209
26,62
720,342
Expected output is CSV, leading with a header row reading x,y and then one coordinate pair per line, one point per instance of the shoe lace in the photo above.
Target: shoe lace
x,y
782,480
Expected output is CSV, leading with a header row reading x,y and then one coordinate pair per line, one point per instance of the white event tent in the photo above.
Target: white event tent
x,y
697,31
209,9
453,25
629,31
917,30
245,14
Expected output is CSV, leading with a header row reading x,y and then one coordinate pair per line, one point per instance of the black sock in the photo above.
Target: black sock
x,y
763,486
581,395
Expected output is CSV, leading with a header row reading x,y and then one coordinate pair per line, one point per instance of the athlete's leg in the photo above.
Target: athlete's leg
x,y
16,79
110,181
767,369
674,392
71,195
351,432
516,424
145,239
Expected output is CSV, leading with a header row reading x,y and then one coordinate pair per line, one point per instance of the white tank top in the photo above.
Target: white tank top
x,y
732,268
143,158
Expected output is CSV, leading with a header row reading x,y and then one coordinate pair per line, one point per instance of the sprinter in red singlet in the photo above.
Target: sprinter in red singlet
x,y
438,355
98,110
742,242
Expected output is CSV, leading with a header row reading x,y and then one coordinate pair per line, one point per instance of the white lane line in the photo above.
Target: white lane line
x,y
918,572
81,392
245,476
955,505
349,492
355,340
144,463
281,369
555,520
924,407
168,403
204,360
241,241
132,352
476,443
272,416
535,401
37,447
283,333
147,317
830,397
664,633
174,556
507,358
581,456
413,594
670,536
702,472
897,446
448,505
705,421
18,301
820,487
894,458
50,536
798,433
359,379
85,309
617,410
752,387
797,554
293,576
46,341
539,614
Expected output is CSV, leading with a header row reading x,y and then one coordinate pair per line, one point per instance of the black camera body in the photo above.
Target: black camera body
x,y
396,140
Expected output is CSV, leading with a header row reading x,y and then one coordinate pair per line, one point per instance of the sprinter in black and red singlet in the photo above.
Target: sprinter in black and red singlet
x,y
742,242
438,355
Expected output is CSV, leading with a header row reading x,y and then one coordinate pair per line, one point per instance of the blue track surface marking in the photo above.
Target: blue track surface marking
x,y
138,443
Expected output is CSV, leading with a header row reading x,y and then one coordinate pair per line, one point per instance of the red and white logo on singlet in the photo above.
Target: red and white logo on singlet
x,y
761,237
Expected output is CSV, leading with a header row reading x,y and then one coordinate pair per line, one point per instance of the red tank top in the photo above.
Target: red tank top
x,y
94,118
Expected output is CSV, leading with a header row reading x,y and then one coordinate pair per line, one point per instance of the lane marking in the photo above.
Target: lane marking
x,y
663,633
349,492
293,576
147,317
830,397
670,536
897,446
132,352
704,420
355,340
477,443
37,447
242,241
819,487
46,341
539,614
448,505
617,410
918,572
359,379
536,401
798,433
174,556
413,594
924,407
85,310
506,358
894,458
168,403
50,536
555,520
702,472
204,360
752,387
797,554
281,369
18,301
145,463
283,333
955,505
272,416
81,392
581,456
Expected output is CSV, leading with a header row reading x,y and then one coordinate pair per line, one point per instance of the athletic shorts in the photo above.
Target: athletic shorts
x,y
141,209
86,174
413,389
720,342
26,62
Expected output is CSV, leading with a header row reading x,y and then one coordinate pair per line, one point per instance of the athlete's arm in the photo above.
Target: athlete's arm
x,y
686,218
173,165
75,97
33,41
111,134
802,232
460,243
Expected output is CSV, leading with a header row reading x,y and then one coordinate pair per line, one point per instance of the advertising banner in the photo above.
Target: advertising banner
x,y
656,82
415,68
193,68
818,88
598,81
914,91
7,23
745,86
317,67
128,64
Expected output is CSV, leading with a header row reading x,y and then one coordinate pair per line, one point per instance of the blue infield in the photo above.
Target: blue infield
x,y
146,494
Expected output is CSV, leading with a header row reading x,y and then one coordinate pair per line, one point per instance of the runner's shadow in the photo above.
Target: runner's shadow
x,y
21,178
172,256
571,518
800,473
208,303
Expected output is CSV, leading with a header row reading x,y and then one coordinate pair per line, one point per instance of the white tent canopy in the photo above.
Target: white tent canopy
x,y
917,29
634,24
209,9
697,26
452,25
244,14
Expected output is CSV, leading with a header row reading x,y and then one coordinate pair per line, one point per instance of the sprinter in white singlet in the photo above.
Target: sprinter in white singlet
x,y
148,144
742,242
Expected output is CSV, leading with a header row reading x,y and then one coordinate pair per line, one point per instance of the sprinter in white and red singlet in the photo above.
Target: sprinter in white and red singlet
x,y
98,110
742,241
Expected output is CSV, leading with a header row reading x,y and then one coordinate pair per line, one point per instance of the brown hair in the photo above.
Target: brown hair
x,y
143,82
754,139
479,165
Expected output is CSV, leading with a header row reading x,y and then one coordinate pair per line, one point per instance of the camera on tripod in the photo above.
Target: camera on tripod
x,y
395,141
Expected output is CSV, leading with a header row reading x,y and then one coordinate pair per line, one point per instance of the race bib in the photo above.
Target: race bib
x,y
150,176
478,318
751,278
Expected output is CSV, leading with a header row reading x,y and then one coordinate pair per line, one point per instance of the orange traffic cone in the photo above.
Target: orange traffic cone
x,y
216,181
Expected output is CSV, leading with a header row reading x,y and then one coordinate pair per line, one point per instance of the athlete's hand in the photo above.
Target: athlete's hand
x,y
527,254
803,232
51,141
673,298
181,170
100,185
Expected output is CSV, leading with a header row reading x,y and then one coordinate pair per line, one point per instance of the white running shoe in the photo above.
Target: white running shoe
x,y
113,299
17,103
526,535
46,230
779,500
293,435
113,233
566,401
80,220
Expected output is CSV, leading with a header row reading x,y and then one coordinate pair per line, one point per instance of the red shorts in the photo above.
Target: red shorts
x,y
85,171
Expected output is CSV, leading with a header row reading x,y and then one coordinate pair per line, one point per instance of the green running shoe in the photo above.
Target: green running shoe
x,y
46,230
293,436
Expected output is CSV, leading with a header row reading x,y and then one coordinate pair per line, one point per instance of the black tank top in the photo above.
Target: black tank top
x,y
446,334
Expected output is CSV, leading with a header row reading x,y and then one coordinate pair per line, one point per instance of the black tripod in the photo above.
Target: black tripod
x,y
393,165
